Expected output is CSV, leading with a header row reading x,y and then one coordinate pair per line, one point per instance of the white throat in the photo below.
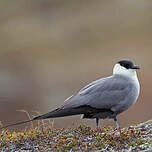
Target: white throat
x,y
131,73
118,69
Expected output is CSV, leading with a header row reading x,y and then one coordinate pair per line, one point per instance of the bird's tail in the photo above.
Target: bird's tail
x,y
15,124
53,114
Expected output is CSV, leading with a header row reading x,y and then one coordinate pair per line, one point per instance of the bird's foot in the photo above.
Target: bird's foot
x,y
98,129
118,131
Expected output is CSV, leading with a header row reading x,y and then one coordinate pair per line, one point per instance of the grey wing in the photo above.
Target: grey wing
x,y
103,94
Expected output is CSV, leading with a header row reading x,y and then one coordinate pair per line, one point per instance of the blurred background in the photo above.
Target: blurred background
x,y
50,49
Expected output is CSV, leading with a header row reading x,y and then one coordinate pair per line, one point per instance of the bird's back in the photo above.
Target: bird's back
x,y
116,93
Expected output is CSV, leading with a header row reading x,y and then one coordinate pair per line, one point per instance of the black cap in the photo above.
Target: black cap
x,y
128,64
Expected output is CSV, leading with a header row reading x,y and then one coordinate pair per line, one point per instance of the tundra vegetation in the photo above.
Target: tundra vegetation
x,y
44,137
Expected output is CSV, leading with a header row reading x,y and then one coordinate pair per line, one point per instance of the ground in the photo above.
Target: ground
x,y
81,138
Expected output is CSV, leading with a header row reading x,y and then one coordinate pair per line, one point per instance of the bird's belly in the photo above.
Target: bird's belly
x,y
104,115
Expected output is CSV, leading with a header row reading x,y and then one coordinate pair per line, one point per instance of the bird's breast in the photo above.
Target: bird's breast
x,y
130,98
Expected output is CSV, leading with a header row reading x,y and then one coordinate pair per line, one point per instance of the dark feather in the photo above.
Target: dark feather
x,y
61,112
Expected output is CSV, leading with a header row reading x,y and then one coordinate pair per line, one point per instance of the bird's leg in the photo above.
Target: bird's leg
x,y
117,124
97,124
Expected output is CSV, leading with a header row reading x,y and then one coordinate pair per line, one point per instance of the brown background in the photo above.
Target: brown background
x,y
50,49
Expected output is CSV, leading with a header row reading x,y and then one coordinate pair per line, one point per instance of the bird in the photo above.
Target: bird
x,y
104,98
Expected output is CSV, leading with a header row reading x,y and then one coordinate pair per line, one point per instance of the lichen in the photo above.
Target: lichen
x,y
81,138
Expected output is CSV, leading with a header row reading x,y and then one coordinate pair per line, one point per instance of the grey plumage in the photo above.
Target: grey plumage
x,y
106,97
103,98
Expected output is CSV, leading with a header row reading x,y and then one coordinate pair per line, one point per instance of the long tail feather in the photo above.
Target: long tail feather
x,y
60,112
15,124
53,114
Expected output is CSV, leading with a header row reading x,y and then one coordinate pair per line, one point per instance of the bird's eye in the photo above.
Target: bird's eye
x,y
127,66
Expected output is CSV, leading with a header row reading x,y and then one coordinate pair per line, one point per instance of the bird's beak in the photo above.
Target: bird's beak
x,y
136,67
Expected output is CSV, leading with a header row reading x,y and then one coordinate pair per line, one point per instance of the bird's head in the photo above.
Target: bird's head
x,y
125,67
